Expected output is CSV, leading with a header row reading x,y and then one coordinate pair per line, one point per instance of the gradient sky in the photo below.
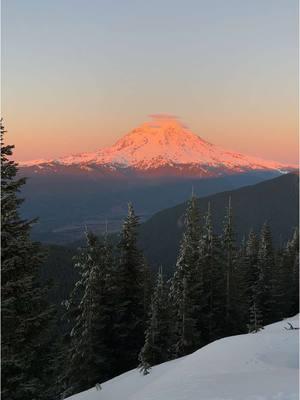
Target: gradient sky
x,y
78,74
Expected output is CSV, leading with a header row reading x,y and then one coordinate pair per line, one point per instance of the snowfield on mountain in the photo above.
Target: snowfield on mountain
x,y
254,366
163,144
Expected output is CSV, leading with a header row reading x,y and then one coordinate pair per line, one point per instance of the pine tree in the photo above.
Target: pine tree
x,y
252,256
241,271
249,278
213,297
26,316
147,289
282,280
255,323
293,249
155,349
265,284
232,317
58,365
187,288
90,311
130,294
287,279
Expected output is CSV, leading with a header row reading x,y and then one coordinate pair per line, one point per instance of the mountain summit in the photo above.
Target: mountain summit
x,y
162,146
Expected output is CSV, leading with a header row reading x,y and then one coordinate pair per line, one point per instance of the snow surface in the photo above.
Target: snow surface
x,y
255,366
164,141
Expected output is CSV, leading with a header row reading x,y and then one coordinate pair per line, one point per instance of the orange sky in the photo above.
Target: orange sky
x,y
35,139
77,78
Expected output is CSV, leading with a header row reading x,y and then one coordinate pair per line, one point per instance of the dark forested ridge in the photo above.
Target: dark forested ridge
x,y
275,201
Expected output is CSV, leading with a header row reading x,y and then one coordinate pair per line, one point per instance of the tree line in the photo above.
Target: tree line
x,y
118,316
219,288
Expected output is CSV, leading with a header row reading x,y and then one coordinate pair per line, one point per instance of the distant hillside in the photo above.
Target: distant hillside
x,y
66,205
275,200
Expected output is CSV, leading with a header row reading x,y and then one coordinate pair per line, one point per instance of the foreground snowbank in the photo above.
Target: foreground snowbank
x,y
260,366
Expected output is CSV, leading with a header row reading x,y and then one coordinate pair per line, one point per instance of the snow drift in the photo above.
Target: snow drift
x,y
255,366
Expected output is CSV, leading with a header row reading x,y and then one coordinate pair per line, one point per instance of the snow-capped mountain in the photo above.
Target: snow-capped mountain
x,y
163,146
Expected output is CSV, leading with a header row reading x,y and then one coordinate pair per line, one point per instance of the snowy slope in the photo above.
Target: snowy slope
x,y
163,142
260,366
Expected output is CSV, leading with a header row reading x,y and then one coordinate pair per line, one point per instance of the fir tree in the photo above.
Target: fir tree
x,y
249,278
287,279
230,273
187,288
213,298
90,311
252,256
26,315
147,289
155,349
130,294
265,284
281,293
255,323
293,249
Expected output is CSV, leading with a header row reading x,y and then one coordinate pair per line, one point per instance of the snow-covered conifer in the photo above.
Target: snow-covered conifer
x,y
25,313
90,311
129,321
187,288
155,349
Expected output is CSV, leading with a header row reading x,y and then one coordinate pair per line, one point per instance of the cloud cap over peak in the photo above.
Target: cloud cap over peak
x,y
166,119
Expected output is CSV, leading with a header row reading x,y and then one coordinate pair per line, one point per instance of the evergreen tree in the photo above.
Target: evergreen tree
x,y
232,317
130,294
155,349
26,316
147,289
213,297
187,288
265,284
255,323
287,279
90,311
282,280
252,256
293,249
249,278
58,364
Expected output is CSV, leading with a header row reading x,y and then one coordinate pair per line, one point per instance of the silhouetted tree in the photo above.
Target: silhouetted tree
x,y
264,291
187,288
91,309
25,314
129,295
213,297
